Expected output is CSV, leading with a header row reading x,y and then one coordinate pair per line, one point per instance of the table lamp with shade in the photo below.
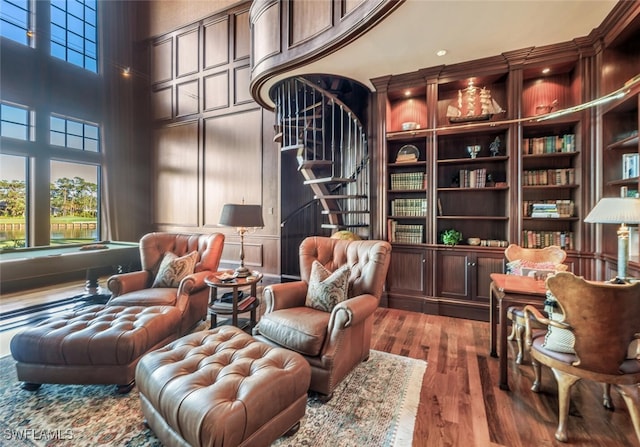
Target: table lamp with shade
x,y
618,210
245,218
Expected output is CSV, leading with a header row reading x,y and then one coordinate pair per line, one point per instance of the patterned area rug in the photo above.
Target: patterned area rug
x,y
375,405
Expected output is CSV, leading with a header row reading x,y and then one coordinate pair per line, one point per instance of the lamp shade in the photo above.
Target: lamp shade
x,y
241,216
615,210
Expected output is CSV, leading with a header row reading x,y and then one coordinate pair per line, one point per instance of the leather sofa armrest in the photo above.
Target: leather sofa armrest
x,y
284,295
128,282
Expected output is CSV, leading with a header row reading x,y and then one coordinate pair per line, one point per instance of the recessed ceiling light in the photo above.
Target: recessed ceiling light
x,y
546,70
407,93
441,53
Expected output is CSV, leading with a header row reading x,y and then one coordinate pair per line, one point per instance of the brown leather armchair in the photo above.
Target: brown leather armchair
x,y
192,294
332,342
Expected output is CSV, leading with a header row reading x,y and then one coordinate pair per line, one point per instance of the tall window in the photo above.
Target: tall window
x,y
74,33
74,134
15,20
74,202
13,201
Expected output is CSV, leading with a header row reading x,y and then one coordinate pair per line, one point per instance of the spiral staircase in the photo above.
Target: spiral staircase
x,y
329,144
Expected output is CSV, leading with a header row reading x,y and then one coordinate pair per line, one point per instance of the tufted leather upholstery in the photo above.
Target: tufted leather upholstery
x,y
192,295
98,344
333,343
222,387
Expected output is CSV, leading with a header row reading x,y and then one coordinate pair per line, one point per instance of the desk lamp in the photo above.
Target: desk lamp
x,y
618,210
245,218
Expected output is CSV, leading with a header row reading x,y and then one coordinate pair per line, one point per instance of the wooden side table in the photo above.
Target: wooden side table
x,y
214,282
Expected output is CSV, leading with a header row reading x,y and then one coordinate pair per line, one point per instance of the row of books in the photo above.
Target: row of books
x,y
475,178
409,207
540,177
405,233
225,302
541,239
408,180
549,144
548,208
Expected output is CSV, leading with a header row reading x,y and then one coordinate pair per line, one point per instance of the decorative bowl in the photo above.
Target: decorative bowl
x,y
473,241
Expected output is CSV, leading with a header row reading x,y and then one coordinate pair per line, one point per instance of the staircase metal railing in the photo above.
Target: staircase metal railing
x,y
330,145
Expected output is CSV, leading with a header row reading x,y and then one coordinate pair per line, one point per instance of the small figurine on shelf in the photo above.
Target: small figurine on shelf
x,y
473,150
494,147
490,183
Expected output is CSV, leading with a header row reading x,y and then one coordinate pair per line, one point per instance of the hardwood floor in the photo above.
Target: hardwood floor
x,y
461,404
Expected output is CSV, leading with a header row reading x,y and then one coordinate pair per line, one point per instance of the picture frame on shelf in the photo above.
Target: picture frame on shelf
x,y
630,166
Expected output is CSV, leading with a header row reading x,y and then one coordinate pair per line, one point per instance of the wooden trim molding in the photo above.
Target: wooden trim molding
x,y
268,62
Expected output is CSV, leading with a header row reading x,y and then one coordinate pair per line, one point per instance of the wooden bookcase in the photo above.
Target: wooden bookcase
x,y
620,123
576,154
550,155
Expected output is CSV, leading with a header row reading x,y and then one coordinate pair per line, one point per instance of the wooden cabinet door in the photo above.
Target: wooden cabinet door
x,y
466,275
484,265
452,270
406,273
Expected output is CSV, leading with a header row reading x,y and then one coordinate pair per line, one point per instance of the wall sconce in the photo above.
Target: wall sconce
x,y
618,210
245,218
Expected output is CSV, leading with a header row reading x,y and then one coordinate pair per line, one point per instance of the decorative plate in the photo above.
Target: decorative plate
x,y
408,152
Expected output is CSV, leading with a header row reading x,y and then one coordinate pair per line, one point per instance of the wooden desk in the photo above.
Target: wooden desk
x,y
505,291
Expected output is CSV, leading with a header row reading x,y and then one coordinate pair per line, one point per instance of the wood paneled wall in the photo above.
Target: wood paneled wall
x,y
213,144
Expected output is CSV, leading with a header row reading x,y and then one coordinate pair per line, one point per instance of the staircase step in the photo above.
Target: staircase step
x,y
340,196
340,212
329,180
293,147
310,107
310,164
343,226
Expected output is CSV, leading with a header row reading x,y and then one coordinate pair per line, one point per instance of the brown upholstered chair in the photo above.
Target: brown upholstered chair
x,y
547,255
191,295
332,342
603,320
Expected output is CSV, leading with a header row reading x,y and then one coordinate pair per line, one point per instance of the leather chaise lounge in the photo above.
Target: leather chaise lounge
x,y
95,345
103,344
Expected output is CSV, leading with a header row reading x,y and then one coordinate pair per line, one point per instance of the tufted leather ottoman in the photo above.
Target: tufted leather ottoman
x,y
222,388
94,345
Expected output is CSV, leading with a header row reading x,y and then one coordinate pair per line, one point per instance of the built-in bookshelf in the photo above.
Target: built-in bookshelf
x,y
472,192
550,155
407,201
537,185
